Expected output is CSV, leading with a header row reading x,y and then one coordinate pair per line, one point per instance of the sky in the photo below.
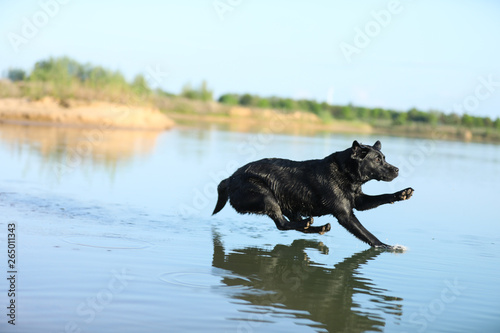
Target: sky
x,y
399,54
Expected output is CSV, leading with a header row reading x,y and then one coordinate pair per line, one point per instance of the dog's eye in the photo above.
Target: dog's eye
x,y
378,159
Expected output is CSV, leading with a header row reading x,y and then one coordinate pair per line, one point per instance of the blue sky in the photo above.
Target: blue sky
x,y
438,54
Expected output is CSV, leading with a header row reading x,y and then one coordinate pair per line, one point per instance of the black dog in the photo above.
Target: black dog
x,y
282,188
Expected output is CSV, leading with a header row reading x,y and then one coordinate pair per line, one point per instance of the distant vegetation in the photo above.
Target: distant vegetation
x,y
201,93
65,78
374,116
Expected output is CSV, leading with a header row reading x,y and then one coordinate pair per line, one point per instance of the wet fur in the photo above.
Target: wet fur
x,y
292,192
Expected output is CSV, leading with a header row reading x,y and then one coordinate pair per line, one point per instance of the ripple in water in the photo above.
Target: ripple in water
x,y
198,279
108,242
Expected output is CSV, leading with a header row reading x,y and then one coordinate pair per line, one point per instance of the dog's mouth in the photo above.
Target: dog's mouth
x,y
389,176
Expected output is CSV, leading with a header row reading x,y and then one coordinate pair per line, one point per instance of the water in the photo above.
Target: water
x,y
115,234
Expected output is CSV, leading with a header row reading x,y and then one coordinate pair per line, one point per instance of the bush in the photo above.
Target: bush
x,y
201,93
229,99
16,74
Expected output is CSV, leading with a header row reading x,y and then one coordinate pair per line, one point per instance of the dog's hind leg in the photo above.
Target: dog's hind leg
x,y
316,230
255,198
304,225
297,219
273,210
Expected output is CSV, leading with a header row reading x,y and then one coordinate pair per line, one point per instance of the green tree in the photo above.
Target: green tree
x,y
488,122
363,113
385,114
451,119
200,93
59,72
347,112
188,91
246,100
229,99
400,119
287,104
434,117
467,120
496,124
140,85
205,93
264,103
478,122
16,74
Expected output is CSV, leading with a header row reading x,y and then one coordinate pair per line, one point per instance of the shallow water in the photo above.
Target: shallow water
x,y
114,233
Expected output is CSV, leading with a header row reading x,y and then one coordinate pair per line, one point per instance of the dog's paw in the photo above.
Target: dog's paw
x,y
325,228
390,248
383,246
307,222
404,194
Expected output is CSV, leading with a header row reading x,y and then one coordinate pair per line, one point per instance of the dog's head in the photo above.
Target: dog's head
x,y
371,162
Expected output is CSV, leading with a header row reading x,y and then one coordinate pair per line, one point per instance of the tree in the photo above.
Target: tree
x,y
400,118
60,73
434,117
16,74
467,120
487,122
140,85
56,70
229,99
97,77
363,113
289,104
200,93
451,119
246,100
263,103
496,124
347,112
205,93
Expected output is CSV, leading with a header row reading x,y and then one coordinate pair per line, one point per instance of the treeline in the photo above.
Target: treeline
x,y
65,78
376,116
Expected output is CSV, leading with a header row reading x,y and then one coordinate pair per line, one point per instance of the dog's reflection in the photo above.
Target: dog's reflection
x,y
285,281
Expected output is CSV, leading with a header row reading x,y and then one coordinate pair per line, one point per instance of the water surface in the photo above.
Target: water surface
x,y
115,234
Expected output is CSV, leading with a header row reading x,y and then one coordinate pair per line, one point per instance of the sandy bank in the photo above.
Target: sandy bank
x,y
244,119
79,113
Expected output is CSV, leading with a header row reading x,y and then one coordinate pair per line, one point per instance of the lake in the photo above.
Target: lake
x,y
114,233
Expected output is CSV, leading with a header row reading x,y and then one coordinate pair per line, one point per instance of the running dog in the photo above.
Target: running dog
x,y
292,192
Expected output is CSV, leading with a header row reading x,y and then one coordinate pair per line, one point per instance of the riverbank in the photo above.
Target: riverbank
x,y
165,112
247,119
240,119
81,113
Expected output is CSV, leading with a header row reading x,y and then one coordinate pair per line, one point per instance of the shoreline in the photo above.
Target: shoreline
x,y
262,124
101,114
76,113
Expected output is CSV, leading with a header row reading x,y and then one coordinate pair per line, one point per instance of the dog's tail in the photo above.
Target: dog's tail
x,y
223,196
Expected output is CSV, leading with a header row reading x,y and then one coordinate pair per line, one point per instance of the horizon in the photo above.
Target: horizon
x,y
390,54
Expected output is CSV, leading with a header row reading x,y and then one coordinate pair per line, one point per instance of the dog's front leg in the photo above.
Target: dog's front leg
x,y
364,202
349,221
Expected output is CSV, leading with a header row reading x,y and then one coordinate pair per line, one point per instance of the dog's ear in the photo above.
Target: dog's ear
x,y
357,151
377,145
